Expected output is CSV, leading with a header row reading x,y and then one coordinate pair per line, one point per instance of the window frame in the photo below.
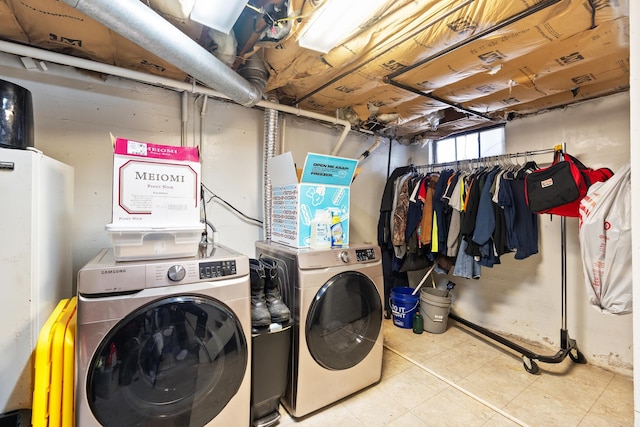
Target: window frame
x,y
457,145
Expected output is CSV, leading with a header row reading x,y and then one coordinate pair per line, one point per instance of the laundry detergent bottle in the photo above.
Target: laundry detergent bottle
x,y
337,233
321,230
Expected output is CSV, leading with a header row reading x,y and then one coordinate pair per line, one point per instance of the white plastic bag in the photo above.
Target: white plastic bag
x,y
605,243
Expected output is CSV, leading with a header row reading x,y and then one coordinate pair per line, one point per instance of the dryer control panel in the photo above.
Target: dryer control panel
x,y
365,254
211,269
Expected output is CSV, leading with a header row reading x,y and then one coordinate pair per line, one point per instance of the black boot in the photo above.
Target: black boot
x,y
260,316
272,285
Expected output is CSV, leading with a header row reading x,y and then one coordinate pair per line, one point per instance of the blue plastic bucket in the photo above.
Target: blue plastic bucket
x,y
403,306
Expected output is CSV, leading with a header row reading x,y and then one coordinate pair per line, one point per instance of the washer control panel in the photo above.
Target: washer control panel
x,y
367,254
176,273
103,274
211,269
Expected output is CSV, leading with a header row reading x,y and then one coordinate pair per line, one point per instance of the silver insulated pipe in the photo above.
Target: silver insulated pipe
x,y
140,24
270,150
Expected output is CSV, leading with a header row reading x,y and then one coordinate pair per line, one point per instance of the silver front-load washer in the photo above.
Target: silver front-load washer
x,y
164,343
335,297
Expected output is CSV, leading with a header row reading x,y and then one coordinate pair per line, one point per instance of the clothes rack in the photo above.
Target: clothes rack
x,y
568,346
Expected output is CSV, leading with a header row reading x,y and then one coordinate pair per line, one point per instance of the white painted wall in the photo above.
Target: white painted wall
x,y
75,112
523,298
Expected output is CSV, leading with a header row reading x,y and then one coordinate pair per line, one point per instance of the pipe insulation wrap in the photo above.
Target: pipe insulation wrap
x,y
270,145
143,26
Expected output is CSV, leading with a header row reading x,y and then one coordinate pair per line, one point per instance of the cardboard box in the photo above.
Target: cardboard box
x,y
155,185
324,184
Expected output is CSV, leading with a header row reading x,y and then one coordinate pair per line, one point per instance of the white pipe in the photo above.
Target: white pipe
x,y
164,82
311,115
203,113
185,118
369,150
343,136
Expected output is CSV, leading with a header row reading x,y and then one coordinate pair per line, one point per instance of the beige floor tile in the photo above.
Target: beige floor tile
x,y
453,408
400,337
614,407
333,415
537,406
373,407
461,378
579,392
336,412
409,419
499,381
394,337
393,364
499,420
426,346
463,359
414,386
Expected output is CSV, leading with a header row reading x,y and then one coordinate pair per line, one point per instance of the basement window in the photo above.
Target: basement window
x,y
470,145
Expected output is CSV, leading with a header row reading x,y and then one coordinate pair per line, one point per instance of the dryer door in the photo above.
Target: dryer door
x,y
344,321
175,362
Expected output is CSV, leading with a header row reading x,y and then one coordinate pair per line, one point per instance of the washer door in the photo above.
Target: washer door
x,y
175,362
344,321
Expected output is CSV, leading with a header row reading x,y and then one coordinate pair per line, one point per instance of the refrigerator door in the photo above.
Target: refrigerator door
x,y
36,195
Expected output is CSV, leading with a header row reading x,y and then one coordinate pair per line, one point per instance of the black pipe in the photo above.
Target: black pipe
x,y
435,98
389,159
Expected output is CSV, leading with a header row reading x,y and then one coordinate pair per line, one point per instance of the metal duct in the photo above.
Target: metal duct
x,y
270,144
140,24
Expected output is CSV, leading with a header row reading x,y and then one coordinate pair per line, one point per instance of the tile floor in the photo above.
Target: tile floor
x,y
460,378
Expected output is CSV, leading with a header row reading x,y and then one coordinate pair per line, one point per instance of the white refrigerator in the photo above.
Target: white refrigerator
x,y
36,207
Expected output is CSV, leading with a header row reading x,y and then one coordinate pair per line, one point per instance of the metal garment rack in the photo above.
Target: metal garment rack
x,y
568,345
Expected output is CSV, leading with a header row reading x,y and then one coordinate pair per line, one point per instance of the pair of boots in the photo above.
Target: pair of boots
x,y
266,300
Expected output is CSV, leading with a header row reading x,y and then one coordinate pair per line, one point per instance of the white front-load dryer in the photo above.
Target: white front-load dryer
x,y
164,343
335,296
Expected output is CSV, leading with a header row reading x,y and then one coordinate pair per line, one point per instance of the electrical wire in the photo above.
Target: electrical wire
x,y
229,205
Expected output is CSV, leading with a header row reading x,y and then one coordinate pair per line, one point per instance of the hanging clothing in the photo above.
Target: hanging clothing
x,y
485,217
456,204
441,211
482,213
426,224
466,266
400,216
525,222
486,223
392,277
414,212
386,205
471,213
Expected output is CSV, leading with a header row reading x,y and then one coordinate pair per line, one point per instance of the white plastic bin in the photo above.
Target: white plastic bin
x,y
131,244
